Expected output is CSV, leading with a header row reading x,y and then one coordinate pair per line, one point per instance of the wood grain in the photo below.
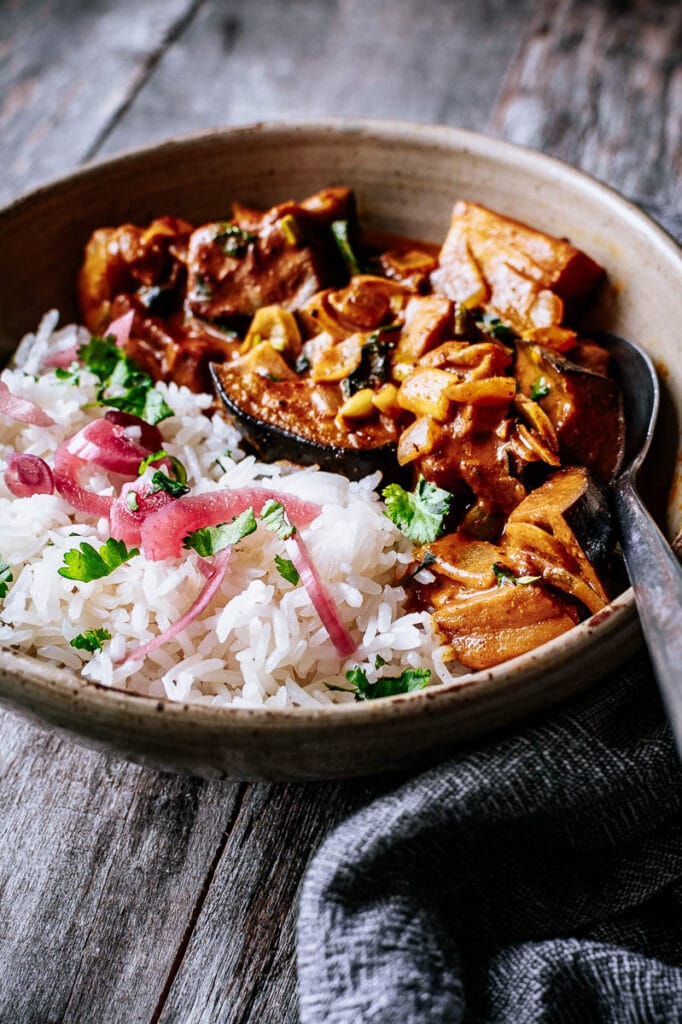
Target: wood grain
x,y
600,86
127,895
248,61
67,69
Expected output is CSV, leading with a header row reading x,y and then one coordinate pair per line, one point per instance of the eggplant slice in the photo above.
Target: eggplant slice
x,y
282,419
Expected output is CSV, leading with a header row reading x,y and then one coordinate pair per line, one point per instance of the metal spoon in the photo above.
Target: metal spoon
x,y
654,571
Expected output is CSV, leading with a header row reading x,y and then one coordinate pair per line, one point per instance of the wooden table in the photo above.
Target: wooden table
x,y
132,896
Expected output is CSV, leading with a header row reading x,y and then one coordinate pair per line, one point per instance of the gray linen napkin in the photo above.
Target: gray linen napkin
x,y
535,880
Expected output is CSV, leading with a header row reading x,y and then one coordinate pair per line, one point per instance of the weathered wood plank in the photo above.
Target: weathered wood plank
x,y
257,61
102,865
239,964
600,86
66,70
126,895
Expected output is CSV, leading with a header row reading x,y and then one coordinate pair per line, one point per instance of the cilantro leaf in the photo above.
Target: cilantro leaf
x,y
420,513
6,577
506,578
274,517
210,539
91,640
374,367
426,561
287,569
409,681
540,389
233,240
70,376
114,368
162,482
87,564
178,468
144,401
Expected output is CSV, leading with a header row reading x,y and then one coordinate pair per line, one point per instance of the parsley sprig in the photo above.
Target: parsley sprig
x,y
85,564
209,540
175,486
91,640
274,517
409,681
287,570
419,514
6,578
233,240
134,390
506,578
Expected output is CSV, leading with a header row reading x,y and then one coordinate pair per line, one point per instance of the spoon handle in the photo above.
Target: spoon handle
x,y
656,577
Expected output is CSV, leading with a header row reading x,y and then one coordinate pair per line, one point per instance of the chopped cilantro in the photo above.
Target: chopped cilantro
x,y
162,482
540,389
115,369
426,561
287,569
202,288
91,640
374,367
70,376
87,564
341,233
506,578
233,240
6,578
178,468
274,517
209,540
143,401
379,662
409,681
420,513
495,327
302,364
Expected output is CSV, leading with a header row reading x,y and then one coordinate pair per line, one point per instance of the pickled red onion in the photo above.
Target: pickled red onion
x,y
105,444
120,328
22,409
125,522
324,603
27,475
163,531
215,574
62,357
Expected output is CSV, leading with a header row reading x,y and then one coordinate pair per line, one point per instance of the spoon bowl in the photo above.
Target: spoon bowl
x,y
654,571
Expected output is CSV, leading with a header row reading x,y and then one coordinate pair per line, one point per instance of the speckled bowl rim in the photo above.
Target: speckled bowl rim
x,y
616,622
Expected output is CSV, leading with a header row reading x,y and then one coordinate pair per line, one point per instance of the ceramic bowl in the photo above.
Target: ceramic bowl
x,y
406,178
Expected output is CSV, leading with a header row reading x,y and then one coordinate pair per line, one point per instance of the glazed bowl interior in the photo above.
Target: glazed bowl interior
x,y
406,180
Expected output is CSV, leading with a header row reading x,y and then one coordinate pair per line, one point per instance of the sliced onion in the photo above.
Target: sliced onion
x,y
62,357
150,436
120,328
163,531
324,603
126,523
67,468
22,409
107,445
102,443
27,475
215,574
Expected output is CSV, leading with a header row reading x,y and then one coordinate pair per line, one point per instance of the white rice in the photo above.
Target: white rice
x,y
260,642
